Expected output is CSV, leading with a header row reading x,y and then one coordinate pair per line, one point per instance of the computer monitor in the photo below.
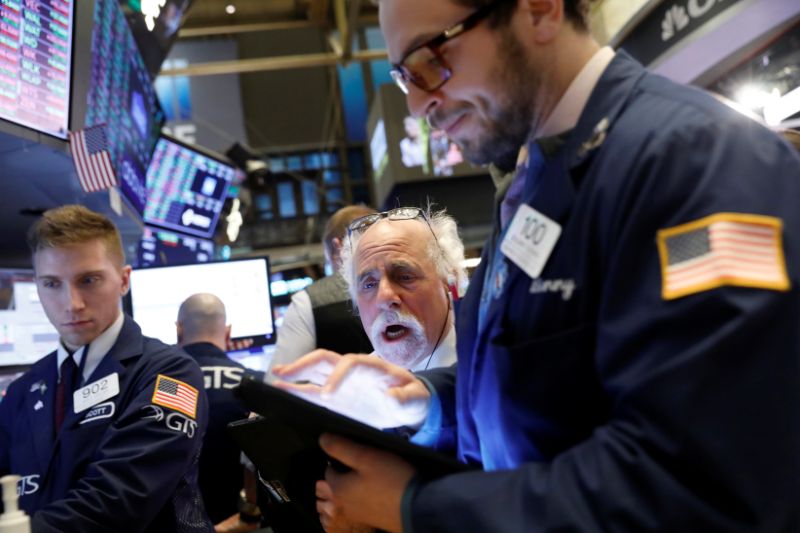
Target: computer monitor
x,y
121,96
155,26
26,335
404,149
159,247
242,285
187,187
36,48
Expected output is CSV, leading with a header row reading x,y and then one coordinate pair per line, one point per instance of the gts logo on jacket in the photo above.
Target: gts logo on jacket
x,y
28,485
221,377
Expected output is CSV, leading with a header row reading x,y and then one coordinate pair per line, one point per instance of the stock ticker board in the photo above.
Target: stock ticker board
x,y
35,63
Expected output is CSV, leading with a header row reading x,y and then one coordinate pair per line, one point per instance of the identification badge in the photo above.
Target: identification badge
x,y
530,239
94,393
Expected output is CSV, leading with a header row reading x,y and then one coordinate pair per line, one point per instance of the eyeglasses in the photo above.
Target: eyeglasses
x,y
361,224
424,66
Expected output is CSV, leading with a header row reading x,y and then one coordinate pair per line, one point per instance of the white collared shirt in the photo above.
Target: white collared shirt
x,y
444,354
98,349
568,110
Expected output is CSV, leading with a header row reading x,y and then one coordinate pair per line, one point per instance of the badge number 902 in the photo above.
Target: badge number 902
x,y
95,388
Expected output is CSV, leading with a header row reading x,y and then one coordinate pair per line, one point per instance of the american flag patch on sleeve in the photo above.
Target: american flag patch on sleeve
x,y
176,395
722,249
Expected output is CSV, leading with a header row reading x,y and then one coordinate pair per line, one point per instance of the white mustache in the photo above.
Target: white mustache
x,y
395,318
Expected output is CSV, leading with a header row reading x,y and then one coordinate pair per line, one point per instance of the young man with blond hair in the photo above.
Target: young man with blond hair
x,y
106,430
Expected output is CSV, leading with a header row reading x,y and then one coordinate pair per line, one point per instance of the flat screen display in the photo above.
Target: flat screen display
x,y
242,285
26,334
121,95
155,26
159,247
36,63
186,188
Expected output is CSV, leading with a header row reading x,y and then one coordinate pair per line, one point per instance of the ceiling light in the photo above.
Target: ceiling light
x,y
230,9
780,108
753,97
472,262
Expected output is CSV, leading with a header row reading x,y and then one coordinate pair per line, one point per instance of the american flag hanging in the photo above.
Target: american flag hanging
x,y
89,149
722,249
176,395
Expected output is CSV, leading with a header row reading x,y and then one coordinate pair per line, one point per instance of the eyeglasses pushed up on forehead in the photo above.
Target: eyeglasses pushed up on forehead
x,y
361,224
424,65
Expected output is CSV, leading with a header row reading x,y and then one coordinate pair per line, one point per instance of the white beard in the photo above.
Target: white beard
x,y
406,351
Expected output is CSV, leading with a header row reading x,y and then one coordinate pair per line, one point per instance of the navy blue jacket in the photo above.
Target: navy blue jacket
x,y
221,473
123,465
599,404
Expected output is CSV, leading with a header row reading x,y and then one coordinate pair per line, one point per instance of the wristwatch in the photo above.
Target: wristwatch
x,y
249,512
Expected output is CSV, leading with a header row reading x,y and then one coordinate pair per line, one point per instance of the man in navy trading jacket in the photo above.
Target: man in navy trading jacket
x,y
204,334
105,431
628,347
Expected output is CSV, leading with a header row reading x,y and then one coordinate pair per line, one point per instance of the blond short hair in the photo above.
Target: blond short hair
x,y
75,224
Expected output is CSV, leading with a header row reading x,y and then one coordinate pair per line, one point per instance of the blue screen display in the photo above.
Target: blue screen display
x,y
159,247
121,96
187,189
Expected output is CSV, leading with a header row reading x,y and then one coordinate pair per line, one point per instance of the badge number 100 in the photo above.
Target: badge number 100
x,y
533,229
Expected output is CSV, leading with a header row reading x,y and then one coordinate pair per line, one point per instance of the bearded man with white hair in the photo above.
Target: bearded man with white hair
x,y
403,269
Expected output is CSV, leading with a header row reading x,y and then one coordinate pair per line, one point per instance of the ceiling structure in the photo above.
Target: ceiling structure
x,y
338,18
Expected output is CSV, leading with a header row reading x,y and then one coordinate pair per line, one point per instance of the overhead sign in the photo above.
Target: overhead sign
x,y
668,24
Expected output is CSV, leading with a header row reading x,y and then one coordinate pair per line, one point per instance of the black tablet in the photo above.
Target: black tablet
x,y
292,427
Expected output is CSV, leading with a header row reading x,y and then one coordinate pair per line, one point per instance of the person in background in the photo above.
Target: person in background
x,y
321,316
412,146
204,334
106,430
628,347
403,269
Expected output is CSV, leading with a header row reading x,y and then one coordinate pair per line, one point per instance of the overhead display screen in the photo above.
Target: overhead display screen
x,y
121,96
35,63
159,247
187,188
155,26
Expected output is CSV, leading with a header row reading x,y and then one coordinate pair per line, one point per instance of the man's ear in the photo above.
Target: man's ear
x,y
179,331
545,18
228,334
451,287
126,279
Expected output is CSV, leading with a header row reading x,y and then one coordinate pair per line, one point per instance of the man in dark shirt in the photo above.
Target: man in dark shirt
x,y
106,430
203,334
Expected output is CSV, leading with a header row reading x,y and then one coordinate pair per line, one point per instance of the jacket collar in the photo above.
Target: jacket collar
x,y
606,102
204,349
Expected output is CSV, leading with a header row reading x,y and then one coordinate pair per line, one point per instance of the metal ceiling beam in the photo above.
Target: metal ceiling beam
x,y
318,11
231,29
346,21
186,33
343,27
261,64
